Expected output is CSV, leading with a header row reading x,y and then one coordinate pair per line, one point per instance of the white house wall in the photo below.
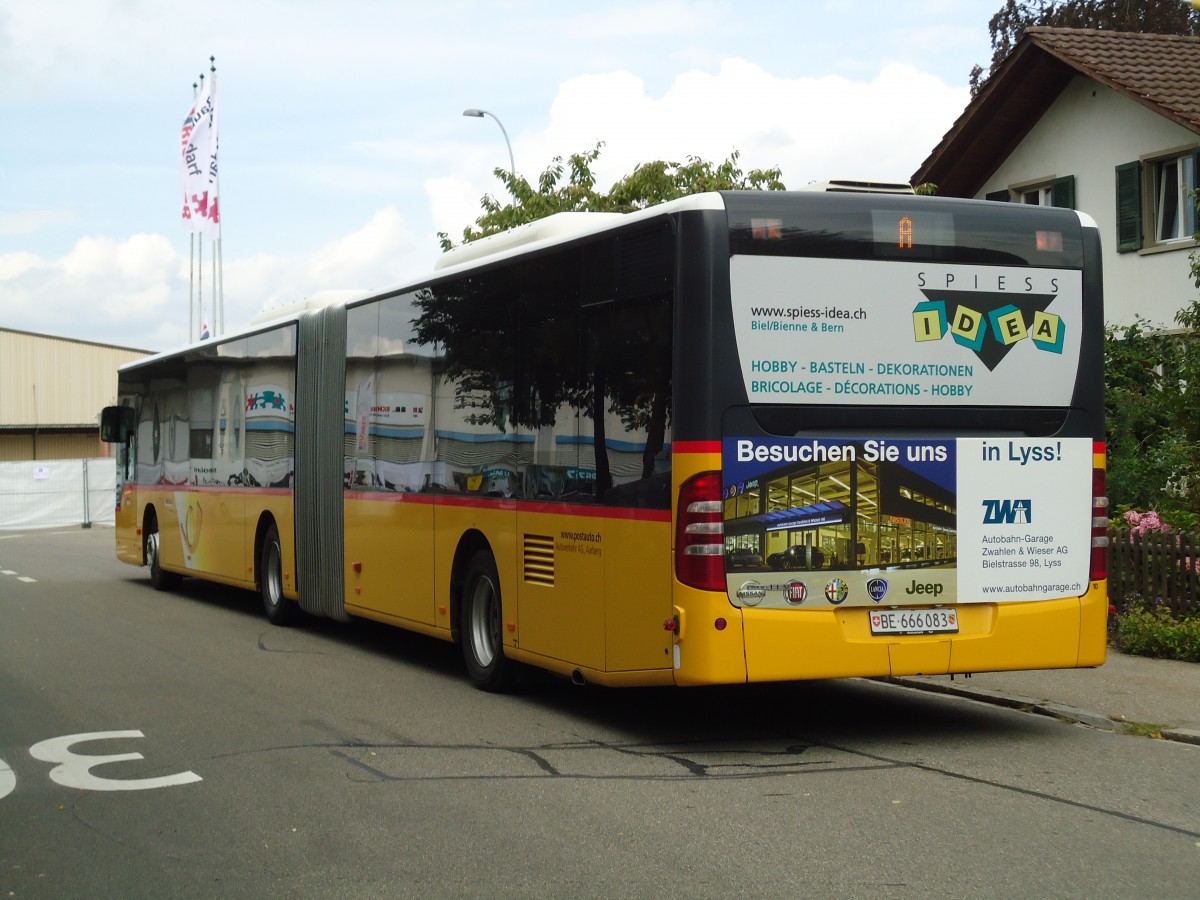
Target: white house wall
x,y
1087,132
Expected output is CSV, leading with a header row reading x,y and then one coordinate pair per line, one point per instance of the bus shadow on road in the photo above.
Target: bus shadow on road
x,y
830,711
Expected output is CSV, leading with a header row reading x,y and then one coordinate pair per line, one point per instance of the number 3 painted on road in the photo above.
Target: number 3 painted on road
x,y
75,769
8,780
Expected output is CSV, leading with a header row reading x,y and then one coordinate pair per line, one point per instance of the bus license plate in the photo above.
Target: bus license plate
x,y
914,621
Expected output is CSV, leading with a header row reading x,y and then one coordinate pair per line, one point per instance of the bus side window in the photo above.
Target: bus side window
x,y
629,361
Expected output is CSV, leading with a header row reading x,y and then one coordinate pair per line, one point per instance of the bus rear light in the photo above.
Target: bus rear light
x,y
1099,567
700,533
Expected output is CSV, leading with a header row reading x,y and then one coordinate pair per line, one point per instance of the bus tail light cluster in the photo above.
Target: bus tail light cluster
x,y
700,533
1099,525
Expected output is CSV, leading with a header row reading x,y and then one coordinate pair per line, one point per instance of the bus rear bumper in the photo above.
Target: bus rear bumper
x,y
788,645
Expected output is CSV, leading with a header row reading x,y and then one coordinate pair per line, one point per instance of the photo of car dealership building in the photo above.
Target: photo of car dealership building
x,y
849,514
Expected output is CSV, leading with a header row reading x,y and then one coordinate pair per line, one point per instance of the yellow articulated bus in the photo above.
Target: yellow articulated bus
x,y
739,437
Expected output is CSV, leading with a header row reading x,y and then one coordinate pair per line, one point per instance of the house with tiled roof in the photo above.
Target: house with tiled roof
x,y
1106,122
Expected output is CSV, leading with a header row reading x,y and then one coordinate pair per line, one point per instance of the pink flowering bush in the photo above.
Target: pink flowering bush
x,y
1145,522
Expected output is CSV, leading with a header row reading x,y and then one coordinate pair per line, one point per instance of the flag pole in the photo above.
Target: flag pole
x,y
192,330
200,265
201,203
218,258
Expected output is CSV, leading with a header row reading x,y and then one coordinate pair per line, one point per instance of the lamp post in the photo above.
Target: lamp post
x,y
479,114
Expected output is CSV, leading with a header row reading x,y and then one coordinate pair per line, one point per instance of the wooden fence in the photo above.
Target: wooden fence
x,y
1154,566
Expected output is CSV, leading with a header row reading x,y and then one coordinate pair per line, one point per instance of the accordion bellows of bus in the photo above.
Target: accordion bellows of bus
x,y
739,437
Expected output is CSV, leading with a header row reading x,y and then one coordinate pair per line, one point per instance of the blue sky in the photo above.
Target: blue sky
x,y
344,149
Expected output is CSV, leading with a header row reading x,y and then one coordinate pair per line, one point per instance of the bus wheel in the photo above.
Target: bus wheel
x,y
482,642
280,610
160,580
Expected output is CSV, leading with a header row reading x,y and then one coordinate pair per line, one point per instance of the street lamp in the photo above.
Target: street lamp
x,y
479,114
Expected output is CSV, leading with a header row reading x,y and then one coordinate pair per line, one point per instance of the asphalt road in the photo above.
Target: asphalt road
x,y
357,761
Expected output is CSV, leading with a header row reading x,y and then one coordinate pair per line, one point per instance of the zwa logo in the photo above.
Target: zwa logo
x,y
1007,512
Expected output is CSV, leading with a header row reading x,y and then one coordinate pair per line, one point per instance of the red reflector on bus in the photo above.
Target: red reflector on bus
x,y
700,533
1051,241
766,229
1099,567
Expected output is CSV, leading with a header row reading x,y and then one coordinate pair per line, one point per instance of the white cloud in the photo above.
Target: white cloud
x,y
391,195
114,291
378,254
14,265
813,128
454,204
28,222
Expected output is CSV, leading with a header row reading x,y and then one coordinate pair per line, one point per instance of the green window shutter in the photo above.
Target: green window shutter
x,y
1129,207
1001,196
1062,192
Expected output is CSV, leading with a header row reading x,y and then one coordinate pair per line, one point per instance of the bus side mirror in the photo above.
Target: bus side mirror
x,y
117,423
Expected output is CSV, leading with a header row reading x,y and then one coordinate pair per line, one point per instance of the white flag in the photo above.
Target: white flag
x,y
198,162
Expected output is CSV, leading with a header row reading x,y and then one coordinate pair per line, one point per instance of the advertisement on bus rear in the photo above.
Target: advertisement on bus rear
x,y
835,331
823,522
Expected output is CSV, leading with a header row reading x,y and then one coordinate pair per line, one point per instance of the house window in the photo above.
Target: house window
x,y
1055,192
1156,204
1174,204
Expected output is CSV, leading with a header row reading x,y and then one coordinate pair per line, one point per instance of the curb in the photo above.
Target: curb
x,y
1189,735
1185,734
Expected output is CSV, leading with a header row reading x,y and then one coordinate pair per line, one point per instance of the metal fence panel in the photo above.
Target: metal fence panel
x,y
57,492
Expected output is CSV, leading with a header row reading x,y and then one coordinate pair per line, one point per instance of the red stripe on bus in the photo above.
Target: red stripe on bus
x,y
210,489
696,446
509,505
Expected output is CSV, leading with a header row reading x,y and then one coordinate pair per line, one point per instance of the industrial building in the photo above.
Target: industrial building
x,y
51,392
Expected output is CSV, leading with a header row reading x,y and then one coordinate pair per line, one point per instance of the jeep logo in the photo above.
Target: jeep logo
x,y
927,588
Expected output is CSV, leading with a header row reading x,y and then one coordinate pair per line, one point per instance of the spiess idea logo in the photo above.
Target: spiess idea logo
x,y
1007,512
989,324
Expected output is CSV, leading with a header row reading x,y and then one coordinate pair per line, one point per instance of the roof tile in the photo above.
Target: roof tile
x,y
1159,71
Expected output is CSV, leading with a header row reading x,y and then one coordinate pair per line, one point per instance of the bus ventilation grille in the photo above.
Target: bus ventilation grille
x,y
539,559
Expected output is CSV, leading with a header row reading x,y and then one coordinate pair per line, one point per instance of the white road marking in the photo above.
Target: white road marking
x,y
8,780
75,769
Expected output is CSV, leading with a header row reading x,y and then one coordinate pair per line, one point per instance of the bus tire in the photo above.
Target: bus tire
x,y
279,610
160,579
482,626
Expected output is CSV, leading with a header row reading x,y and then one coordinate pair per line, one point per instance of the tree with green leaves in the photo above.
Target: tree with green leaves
x,y
648,184
1144,16
1152,410
510,346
